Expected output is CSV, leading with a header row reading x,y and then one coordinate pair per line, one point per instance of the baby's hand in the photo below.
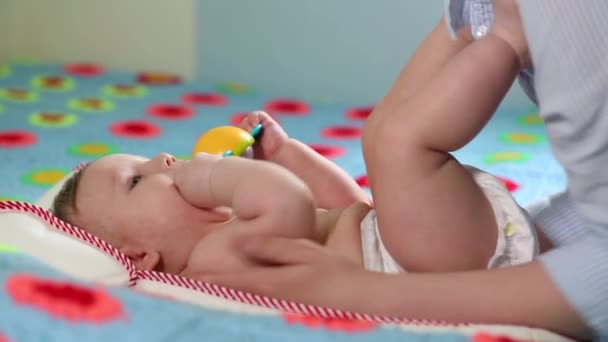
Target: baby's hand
x,y
192,179
508,27
272,138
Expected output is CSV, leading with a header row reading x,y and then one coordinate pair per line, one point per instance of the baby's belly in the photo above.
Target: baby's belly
x,y
345,238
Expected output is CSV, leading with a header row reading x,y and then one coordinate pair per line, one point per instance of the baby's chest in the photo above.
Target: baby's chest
x,y
217,252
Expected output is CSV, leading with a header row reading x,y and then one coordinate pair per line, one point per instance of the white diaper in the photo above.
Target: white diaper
x,y
517,239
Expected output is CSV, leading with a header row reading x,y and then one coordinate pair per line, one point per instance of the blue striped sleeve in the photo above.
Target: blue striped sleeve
x,y
568,45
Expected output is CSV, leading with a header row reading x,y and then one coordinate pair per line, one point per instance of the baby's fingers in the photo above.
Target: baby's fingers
x,y
250,121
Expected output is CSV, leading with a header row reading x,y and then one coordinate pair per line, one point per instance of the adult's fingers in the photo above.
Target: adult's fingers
x,y
244,281
269,281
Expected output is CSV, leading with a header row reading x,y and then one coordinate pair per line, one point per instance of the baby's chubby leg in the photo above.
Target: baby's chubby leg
x,y
509,27
428,59
432,215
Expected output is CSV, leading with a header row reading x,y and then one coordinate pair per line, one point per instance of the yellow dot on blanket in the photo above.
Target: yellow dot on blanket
x,y
125,90
522,138
92,149
530,119
4,248
44,177
18,95
52,119
234,88
53,83
91,104
507,156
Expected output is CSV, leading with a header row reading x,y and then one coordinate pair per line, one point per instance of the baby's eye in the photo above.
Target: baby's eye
x,y
134,181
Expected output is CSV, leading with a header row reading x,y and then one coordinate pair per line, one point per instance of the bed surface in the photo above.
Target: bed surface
x,y
53,117
56,309
39,304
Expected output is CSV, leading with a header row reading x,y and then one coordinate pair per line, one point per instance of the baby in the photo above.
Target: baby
x,y
189,217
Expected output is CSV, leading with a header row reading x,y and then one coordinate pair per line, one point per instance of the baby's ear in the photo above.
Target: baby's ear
x,y
146,260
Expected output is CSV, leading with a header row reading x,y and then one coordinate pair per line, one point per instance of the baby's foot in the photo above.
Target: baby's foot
x,y
272,137
508,27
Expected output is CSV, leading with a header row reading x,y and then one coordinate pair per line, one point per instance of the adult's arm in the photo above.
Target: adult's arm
x,y
305,272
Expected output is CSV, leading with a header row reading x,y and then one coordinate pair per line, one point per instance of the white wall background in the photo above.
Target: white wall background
x,y
347,50
123,34
341,50
4,31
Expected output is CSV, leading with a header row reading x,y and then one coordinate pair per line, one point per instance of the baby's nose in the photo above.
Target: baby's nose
x,y
165,160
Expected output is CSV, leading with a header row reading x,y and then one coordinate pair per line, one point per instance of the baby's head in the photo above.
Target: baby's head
x,y
132,203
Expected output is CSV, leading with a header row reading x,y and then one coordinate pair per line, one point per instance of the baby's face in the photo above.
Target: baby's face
x,y
131,201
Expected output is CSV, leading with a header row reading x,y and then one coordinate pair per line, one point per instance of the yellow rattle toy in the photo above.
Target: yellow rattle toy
x,y
227,141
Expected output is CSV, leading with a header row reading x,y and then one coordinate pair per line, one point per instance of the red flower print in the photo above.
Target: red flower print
x,y
334,323
362,181
63,299
509,184
483,337
84,69
4,339
341,132
287,106
359,113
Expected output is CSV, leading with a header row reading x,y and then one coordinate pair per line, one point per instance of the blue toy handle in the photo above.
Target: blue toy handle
x,y
255,133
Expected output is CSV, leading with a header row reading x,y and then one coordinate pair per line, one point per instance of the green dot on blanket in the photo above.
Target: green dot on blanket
x,y
4,248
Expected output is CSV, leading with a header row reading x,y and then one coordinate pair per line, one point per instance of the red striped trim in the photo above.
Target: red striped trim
x,y
207,288
277,304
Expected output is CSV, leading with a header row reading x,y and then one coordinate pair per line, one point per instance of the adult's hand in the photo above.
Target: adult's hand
x,y
298,270
305,272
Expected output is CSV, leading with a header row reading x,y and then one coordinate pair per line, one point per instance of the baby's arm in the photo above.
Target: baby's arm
x,y
265,198
331,186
